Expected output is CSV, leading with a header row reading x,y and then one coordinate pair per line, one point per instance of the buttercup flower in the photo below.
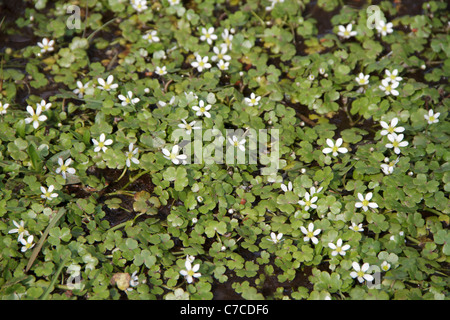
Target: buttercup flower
x,y
173,2
27,244
308,202
20,230
151,36
338,248
139,5
310,234
360,272
128,99
390,128
101,144
64,167
201,63
384,28
36,117
161,70
47,193
46,45
362,79
188,126
364,202
222,65
275,238
388,168
227,38
173,155
44,105
385,266
108,84
191,271
130,155
3,107
202,110
253,100
392,76
208,35
356,227
432,117
220,54
81,89
389,87
313,190
396,142
236,143
334,148
346,32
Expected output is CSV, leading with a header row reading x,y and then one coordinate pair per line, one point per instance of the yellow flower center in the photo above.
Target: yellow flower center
x,y
432,118
35,117
365,203
310,234
360,274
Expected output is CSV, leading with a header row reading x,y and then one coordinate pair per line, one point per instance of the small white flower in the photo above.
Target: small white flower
x,y
27,244
81,89
388,168
396,142
128,99
253,100
360,272
334,148
36,117
389,87
173,155
313,190
171,102
134,280
139,5
202,110
201,63
392,76
338,248
44,105
227,38
64,167
20,230
173,2
3,107
191,271
273,3
362,79
199,199
384,28
346,32
130,155
287,187
432,117
101,144
385,266
222,65
208,35
308,202
310,234
220,54
364,202
47,193
311,77
151,36
161,70
390,128
275,238
188,126
356,227
236,143
46,45
108,84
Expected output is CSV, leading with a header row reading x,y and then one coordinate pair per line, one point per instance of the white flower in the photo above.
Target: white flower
x,y
188,126
360,272
356,227
388,168
81,89
173,2
134,280
3,107
151,36
432,117
273,3
101,144
338,248
311,77
362,79
334,147
384,28
161,71
385,266
346,32
47,193
220,54
173,155
171,102
36,117
236,143
227,37
20,229
128,99
200,199
364,202
222,65
396,142
46,45
202,110
287,187
64,167
275,238
253,100
310,234
392,76
108,84
313,190
390,128
27,244
139,5
201,63
191,271
308,202
389,88
208,35
130,155
44,105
